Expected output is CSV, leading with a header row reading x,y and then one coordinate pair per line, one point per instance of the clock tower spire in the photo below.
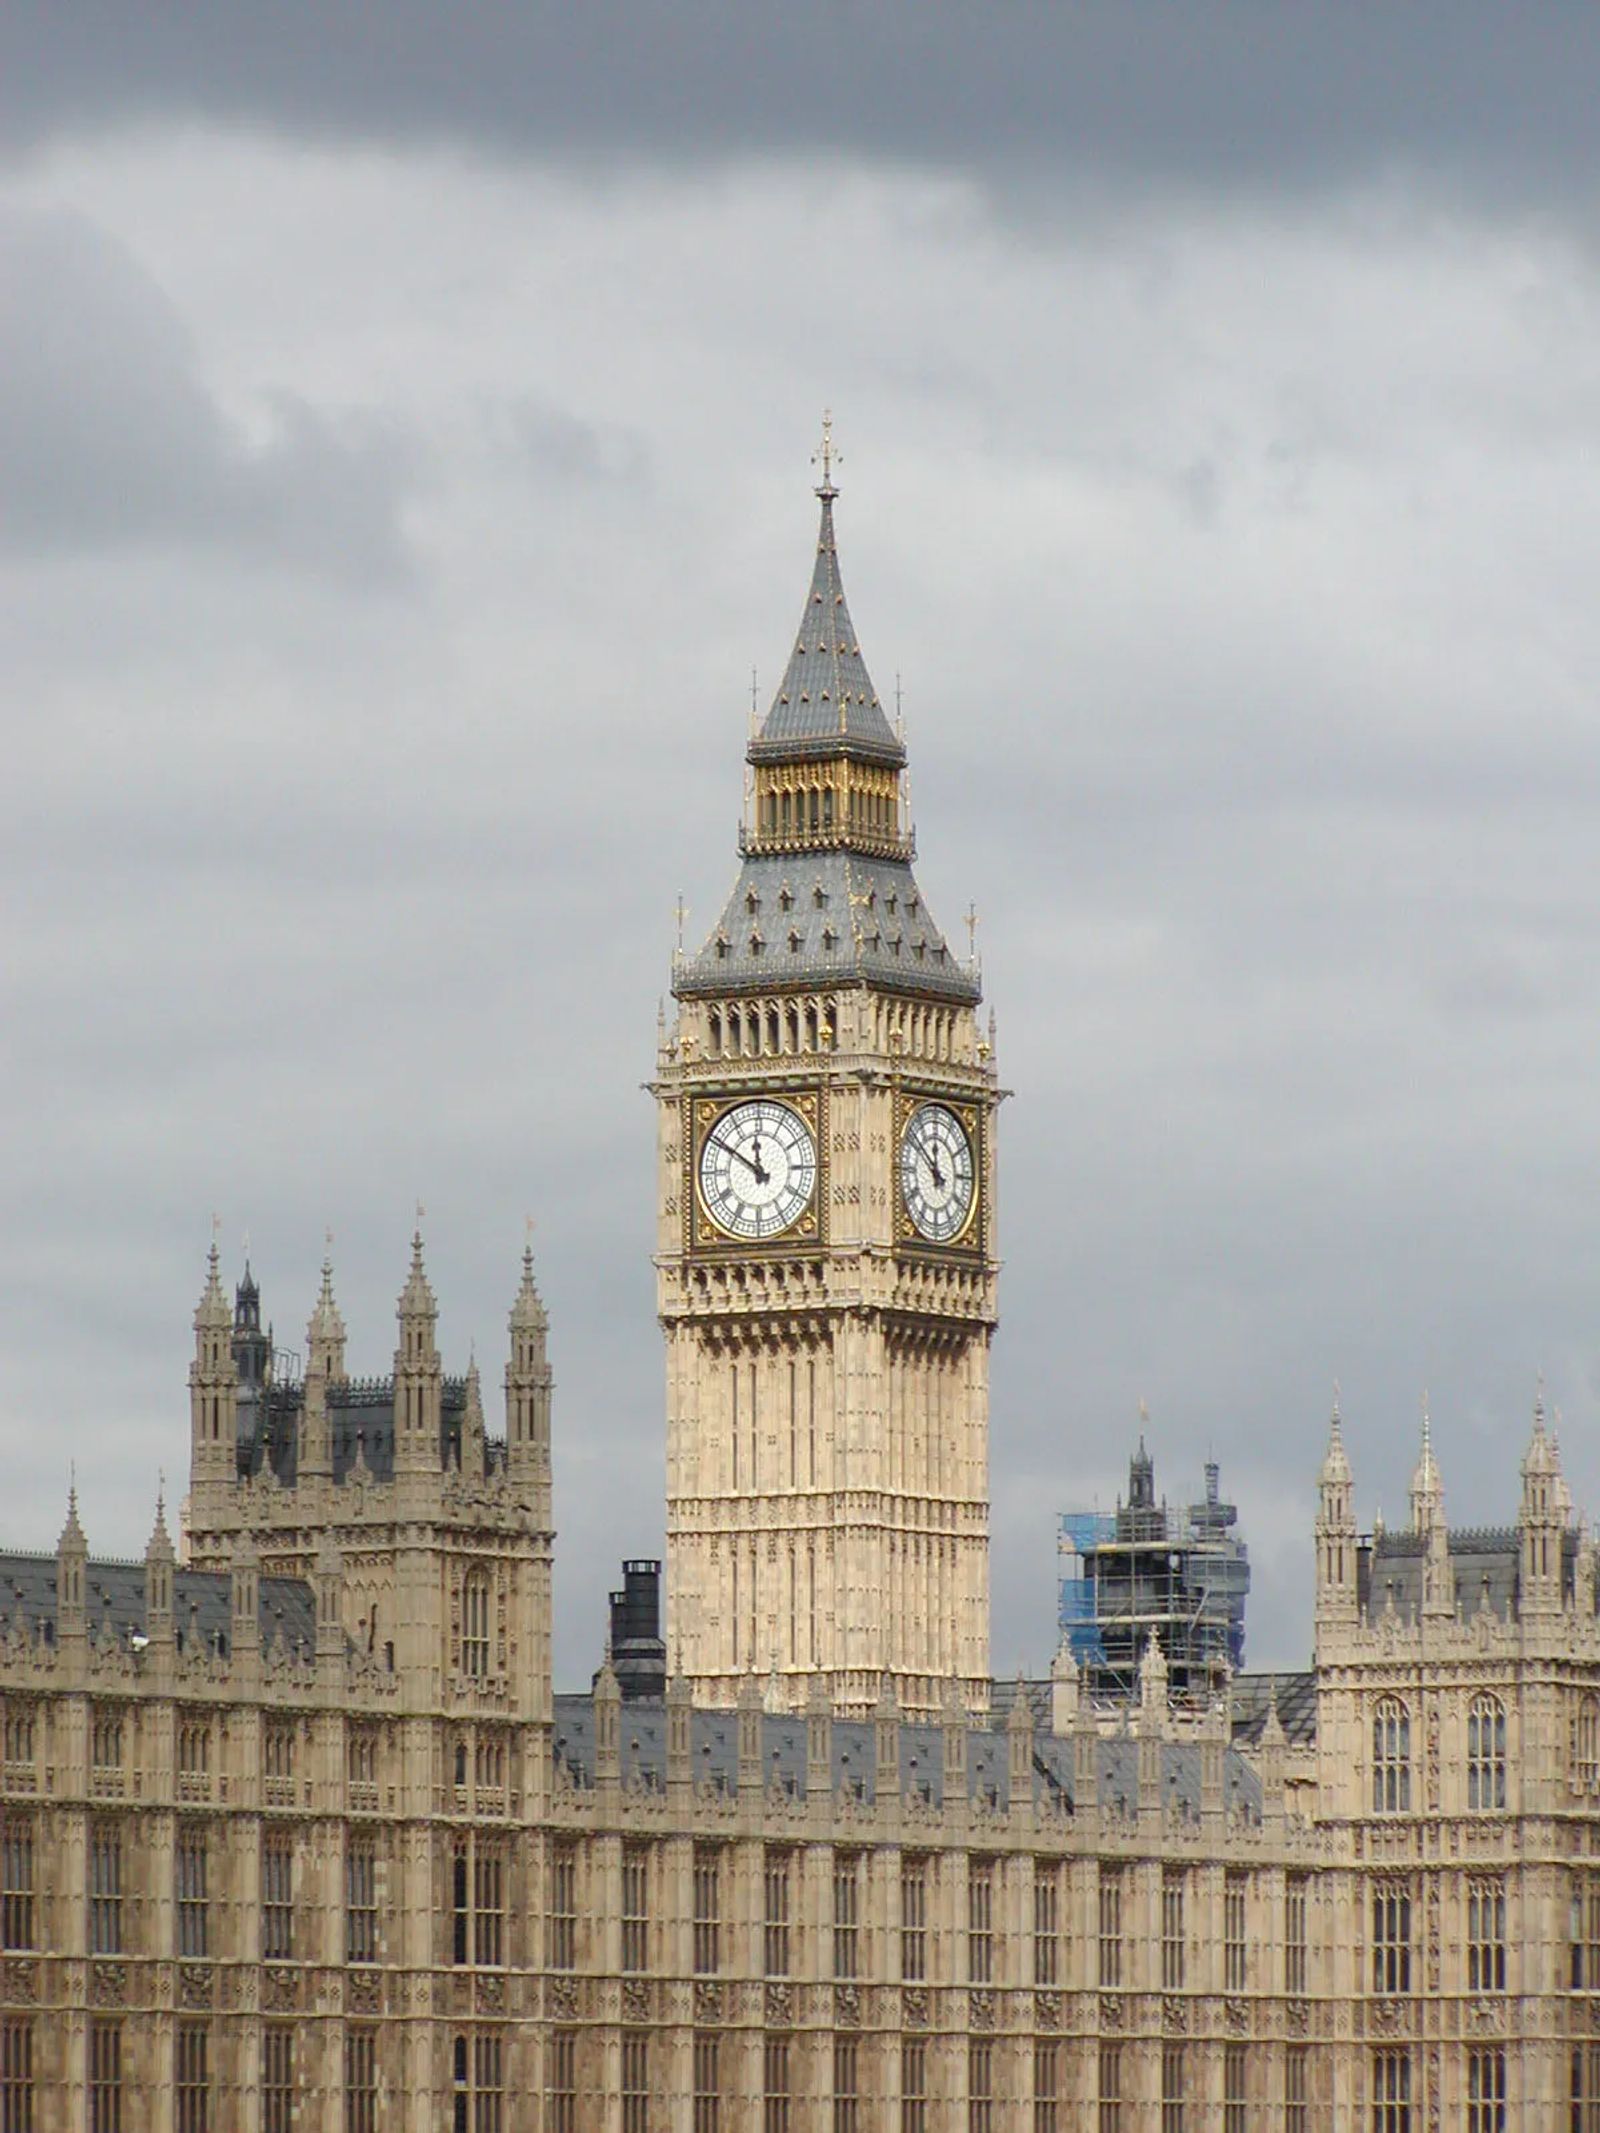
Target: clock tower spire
x,y
826,1269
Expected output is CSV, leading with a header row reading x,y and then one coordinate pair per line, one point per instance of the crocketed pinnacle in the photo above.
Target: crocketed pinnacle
x,y
212,1310
1336,1462
1427,1487
326,1327
72,1534
826,701
528,1309
416,1298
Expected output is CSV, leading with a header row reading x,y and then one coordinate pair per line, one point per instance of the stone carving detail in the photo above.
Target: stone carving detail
x,y
914,2007
1110,2011
1433,2087
1387,2017
1174,2014
280,1988
847,2006
22,1983
707,2000
196,1985
1047,2010
1433,1934
1237,2016
1433,1762
980,2009
490,1995
1298,2017
108,1983
562,1998
635,1999
780,2006
1486,2017
361,1991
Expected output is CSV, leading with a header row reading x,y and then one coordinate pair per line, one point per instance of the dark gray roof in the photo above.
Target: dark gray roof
x,y
826,702
1485,1564
715,1738
360,1427
114,1598
850,920
1295,1696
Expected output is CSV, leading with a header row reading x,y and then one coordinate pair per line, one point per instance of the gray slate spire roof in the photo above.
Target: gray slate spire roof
x,y
826,701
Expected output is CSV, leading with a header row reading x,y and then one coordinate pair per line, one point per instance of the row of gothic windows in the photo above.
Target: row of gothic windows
x,y
1486,1756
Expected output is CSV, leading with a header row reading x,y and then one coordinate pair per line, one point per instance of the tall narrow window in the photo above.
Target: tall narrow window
x,y
980,1922
1391,1938
913,2085
707,2083
1486,1755
564,1907
16,2074
191,2078
475,1624
1296,2090
480,2083
563,2082
1235,1946
980,2085
707,1909
1486,2091
636,2081
18,1735
1110,2089
913,1919
194,1904
846,1913
277,2078
105,1889
1174,2088
105,1752
1584,2092
360,2081
1391,1758
1294,1933
1391,2092
277,1895
1047,2086
194,1759
1234,2077
361,1897
16,1883
105,2076
1486,1936
1046,1922
478,1894
1586,1746
774,2084
635,1908
777,1875
1172,1938
846,2086
1111,1878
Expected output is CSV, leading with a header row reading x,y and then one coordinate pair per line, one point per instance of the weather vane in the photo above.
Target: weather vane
x,y
827,455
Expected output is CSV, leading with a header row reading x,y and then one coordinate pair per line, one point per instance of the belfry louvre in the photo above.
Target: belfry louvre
x,y
295,1832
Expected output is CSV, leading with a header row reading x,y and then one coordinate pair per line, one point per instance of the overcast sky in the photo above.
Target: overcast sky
x,y
404,441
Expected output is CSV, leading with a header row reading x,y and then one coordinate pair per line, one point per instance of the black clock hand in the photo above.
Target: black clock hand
x,y
933,1165
761,1175
754,1169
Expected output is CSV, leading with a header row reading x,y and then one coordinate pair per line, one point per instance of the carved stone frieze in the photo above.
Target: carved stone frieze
x,y
561,1999
197,1985
1110,2011
914,2007
1386,2018
1237,2016
980,2010
847,2006
1486,2017
780,2006
635,1999
489,1994
1174,2014
708,2001
20,1982
1297,2017
108,1984
363,1991
280,1988
1047,2010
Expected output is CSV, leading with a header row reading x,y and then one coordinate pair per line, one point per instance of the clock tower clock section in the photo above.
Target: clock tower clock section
x,y
826,1275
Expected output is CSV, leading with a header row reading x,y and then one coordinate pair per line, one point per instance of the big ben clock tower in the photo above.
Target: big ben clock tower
x,y
826,1268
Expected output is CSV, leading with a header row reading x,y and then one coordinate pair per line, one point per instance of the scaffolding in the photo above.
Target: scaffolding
x,y
1149,1569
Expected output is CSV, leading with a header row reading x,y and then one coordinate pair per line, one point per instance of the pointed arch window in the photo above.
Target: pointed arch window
x,y
1586,1746
475,1625
1391,1758
1486,1755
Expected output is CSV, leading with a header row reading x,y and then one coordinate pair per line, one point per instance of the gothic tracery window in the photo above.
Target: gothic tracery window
x,y
1586,1746
1391,1758
475,1625
1486,1754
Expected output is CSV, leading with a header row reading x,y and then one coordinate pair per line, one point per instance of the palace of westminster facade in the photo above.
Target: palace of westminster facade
x,y
296,1834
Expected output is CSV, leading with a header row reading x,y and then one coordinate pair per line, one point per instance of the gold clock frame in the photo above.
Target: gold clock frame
x,y
969,1240
703,1235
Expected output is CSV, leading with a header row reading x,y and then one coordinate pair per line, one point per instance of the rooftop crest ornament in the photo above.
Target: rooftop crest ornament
x,y
827,455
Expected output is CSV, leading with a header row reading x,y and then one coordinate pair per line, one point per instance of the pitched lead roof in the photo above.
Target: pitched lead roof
x,y
826,701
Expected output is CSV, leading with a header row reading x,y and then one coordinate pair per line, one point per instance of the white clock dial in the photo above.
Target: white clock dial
x,y
936,1175
758,1169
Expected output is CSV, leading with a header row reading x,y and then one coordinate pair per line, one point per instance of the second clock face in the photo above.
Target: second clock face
x,y
758,1169
936,1175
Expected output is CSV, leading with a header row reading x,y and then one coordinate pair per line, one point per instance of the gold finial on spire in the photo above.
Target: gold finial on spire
x,y
681,912
972,933
827,455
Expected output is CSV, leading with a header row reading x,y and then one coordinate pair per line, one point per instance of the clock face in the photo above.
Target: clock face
x,y
758,1169
936,1176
